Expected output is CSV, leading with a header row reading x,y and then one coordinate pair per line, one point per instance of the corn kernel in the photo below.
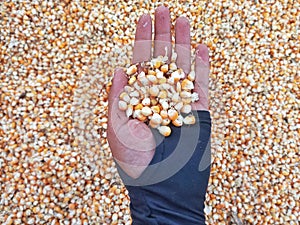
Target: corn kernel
x,y
155,109
146,111
164,68
125,97
122,105
164,130
131,70
172,114
190,119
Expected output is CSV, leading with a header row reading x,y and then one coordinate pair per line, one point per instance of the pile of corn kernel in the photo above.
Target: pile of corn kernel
x,y
159,94
56,61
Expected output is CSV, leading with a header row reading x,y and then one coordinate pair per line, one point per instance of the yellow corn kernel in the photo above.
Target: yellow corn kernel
x,y
155,109
131,80
138,106
162,80
153,101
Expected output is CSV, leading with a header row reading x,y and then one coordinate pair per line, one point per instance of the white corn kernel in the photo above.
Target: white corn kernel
x,y
159,74
152,79
195,97
190,119
154,90
134,94
128,89
141,75
185,94
164,105
125,97
164,68
163,114
129,110
178,87
173,66
178,106
186,109
164,130
165,122
131,70
172,114
146,101
165,86
186,101
153,125
136,86
146,111
144,81
156,118
175,97
136,113
134,101
186,84
192,76
122,105
163,94
178,122
175,75
171,80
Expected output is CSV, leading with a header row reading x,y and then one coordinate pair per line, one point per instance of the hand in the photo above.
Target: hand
x,y
131,141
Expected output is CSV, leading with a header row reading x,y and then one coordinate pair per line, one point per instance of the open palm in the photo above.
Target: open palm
x,y
131,141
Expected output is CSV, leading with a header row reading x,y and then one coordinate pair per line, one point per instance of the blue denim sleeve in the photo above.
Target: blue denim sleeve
x,y
171,191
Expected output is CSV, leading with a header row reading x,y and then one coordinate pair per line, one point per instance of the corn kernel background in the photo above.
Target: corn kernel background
x,y
56,61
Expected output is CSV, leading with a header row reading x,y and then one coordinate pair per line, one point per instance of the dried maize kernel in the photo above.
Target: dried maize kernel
x,y
146,111
159,94
190,119
164,130
122,105
131,70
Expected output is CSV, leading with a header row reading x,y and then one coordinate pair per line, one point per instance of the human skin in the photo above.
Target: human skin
x,y
131,141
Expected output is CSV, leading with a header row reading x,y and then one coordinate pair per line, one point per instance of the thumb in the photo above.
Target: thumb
x,y
118,83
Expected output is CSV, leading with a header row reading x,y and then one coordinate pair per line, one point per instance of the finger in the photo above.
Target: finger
x,y
143,39
202,77
118,83
162,32
116,117
183,44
